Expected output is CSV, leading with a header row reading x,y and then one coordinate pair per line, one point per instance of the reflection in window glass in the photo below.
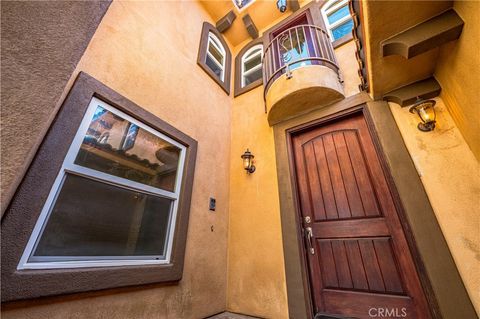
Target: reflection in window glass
x,y
114,201
294,46
337,15
215,53
252,76
253,62
342,30
117,147
337,18
215,58
214,67
92,218
252,65
240,4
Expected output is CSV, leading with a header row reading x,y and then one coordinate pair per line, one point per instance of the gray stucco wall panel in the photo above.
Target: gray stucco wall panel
x,y
41,44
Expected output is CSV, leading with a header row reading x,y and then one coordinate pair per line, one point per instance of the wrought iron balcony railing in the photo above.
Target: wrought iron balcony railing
x,y
296,47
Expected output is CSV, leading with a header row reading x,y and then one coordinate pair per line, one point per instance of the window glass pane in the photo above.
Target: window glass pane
x,y
256,51
338,14
217,55
242,3
252,62
342,29
294,46
91,218
214,67
115,146
331,4
252,77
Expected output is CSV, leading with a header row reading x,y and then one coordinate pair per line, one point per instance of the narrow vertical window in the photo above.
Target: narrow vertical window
x,y
337,18
252,65
215,58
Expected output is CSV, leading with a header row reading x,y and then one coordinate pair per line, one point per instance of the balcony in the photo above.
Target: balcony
x,y
300,72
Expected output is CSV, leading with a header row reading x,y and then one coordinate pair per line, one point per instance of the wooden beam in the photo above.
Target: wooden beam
x,y
406,95
226,22
293,5
425,36
251,28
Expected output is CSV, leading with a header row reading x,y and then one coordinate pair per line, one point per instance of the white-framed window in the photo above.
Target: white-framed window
x,y
242,4
337,18
216,56
252,65
114,201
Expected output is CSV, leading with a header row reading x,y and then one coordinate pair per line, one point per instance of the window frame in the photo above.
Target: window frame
x,y
24,209
239,67
251,55
223,82
328,8
214,41
69,167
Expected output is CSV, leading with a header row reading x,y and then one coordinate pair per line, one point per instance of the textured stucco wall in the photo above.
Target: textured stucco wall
x,y
458,72
256,271
41,43
450,174
147,51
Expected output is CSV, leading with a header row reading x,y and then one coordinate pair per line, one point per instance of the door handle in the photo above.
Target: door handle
x,y
309,235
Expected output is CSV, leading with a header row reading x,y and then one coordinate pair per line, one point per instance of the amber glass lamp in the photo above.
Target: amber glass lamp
x,y
247,158
424,109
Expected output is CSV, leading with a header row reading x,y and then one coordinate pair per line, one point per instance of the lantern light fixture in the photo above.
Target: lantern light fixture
x,y
247,158
282,5
424,109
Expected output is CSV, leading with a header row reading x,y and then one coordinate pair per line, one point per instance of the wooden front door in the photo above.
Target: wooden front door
x,y
359,262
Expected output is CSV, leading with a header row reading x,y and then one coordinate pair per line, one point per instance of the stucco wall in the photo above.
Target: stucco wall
x,y
41,43
458,72
147,51
256,271
450,174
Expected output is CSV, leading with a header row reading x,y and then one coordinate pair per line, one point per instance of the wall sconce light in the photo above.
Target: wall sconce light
x,y
247,158
424,109
282,5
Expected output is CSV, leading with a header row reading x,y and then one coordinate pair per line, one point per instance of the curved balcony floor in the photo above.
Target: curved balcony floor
x,y
310,87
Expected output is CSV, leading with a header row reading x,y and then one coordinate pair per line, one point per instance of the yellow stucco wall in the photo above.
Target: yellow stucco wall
x,y
256,275
147,51
450,174
458,72
256,272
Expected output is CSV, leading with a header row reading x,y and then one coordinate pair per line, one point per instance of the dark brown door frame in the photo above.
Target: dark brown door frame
x,y
433,261
359,109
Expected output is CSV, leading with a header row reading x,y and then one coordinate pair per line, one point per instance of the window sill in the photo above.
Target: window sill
x,y
251,86
343,40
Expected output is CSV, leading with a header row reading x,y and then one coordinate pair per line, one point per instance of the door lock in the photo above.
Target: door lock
x,y
308,219
309,235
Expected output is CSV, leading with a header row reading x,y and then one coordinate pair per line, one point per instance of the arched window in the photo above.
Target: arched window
x,y
215,58
337,18
248,67
252,65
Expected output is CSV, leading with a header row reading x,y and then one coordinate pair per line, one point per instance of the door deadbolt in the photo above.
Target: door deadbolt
x,y
308,219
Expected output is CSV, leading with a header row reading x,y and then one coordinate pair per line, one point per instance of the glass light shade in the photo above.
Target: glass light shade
x,y
247,158
426,112
246,163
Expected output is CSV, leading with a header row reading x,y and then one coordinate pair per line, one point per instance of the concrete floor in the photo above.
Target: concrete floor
x,y
230,315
